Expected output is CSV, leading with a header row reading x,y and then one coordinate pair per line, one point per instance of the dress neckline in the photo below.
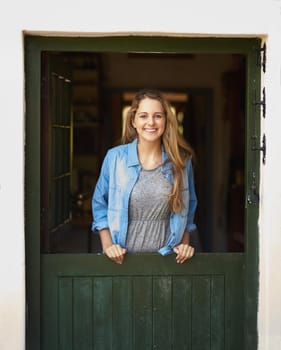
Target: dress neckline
x,y
151,170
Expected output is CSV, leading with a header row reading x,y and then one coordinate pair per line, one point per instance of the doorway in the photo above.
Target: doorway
x,y
101,88
217,119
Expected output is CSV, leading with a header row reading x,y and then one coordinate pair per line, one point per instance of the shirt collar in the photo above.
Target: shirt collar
x,y
133,158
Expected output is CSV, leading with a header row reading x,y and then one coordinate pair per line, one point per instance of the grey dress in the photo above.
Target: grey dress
x,y
149,212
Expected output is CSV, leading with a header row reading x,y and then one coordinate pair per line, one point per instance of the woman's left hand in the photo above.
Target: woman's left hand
x,y
184,252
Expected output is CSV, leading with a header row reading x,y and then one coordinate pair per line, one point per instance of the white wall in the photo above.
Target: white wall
x,y
223,18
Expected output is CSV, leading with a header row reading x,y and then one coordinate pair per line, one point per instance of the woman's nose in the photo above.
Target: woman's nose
x,y
150,120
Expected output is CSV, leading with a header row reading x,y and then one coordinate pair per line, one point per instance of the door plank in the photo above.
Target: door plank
x,y
162,295
201,313
122,313
102,314
82,313
217,312
65,312
142,305
182,311
235,309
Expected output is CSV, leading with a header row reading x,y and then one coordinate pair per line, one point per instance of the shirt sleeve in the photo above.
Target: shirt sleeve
x,y
191,226
100,198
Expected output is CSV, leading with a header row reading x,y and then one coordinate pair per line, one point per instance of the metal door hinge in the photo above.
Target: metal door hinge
x,y
261,57
262,148
253,197
262,103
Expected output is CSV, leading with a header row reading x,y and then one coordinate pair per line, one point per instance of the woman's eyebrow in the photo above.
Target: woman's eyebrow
x,y
143,112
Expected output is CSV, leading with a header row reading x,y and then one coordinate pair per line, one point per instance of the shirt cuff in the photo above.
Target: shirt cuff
x,y
190,228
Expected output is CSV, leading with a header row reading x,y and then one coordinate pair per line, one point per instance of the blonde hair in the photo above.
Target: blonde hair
x,y
176,148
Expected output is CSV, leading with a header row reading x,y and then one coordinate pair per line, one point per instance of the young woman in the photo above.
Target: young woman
x,y
144,200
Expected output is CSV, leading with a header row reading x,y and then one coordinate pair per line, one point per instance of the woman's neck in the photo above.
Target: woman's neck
x,y
150,155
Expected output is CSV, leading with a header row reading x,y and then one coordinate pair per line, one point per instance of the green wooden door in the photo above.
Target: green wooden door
x,y
149,302
84,301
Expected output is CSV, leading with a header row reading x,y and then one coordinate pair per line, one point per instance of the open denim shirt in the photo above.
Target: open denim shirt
x,y
110,202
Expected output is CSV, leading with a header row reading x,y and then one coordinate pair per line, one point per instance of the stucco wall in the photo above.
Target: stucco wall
x,y
193,18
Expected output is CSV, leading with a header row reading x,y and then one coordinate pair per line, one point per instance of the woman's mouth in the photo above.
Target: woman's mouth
x,y
150,130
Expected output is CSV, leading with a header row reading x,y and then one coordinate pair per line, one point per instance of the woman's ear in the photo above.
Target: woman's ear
x,y
133,123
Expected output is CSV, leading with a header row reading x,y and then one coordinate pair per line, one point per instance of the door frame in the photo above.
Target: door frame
x,y
34,45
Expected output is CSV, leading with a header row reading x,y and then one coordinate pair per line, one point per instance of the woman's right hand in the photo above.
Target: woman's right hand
x,y
116,253
113,251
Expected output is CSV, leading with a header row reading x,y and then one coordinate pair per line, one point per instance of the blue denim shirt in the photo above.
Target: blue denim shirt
x,y
110,203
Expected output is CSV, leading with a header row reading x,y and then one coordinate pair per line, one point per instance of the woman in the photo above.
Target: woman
x,y
144,200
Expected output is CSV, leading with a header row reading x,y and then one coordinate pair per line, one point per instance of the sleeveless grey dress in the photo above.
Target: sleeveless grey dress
x,y
149,212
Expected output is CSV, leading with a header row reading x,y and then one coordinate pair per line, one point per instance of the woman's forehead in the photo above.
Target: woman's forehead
x,y
150,104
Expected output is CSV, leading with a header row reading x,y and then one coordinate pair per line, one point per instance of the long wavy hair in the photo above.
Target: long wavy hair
x,y
177,149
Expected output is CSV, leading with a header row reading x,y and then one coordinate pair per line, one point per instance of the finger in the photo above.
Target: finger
x,y
178,251
116,253
182,252
119,255
110,251
122,257
189,253
185,252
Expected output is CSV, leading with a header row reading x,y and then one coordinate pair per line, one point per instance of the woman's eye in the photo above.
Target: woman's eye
x,y
142,116
159,116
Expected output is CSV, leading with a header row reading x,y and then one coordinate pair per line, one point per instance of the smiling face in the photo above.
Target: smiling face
x,y
149,120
